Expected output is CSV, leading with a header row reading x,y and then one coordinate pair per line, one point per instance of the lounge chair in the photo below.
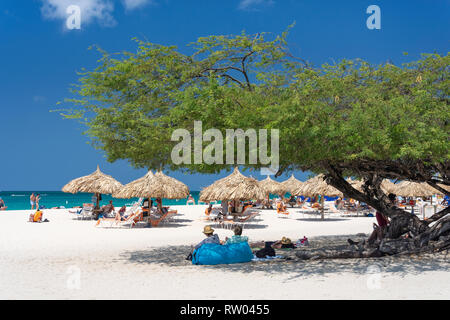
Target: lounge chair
x,y
245,220
230,224
156,221
87,212
130,221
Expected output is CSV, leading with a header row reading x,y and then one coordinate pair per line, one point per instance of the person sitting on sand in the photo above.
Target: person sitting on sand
x,y
237,238
284,243
281,208
380,229
210,237
2,205
37,216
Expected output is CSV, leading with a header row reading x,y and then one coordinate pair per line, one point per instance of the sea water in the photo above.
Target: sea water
x,y
20,200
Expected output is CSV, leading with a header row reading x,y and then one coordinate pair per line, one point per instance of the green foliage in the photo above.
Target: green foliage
x,y
335,114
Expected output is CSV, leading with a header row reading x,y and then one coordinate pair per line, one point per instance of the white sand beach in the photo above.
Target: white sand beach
x,y
72,259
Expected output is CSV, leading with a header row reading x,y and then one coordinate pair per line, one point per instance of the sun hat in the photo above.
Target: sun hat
x,y
285,240
208,230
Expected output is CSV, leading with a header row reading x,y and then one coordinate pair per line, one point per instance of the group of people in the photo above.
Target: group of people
x,y
148,207
266,248
34,201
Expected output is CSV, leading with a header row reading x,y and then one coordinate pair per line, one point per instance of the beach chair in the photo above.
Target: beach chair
x,y
155,221
226,224
87,212
247,219
130,221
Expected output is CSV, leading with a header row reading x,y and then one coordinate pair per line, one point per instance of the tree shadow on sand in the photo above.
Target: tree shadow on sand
x,y
174,256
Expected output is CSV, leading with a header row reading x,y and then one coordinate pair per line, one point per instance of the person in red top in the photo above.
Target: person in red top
x,y
379,230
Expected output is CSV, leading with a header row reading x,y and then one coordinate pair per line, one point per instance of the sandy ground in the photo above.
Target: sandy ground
x,y
72,259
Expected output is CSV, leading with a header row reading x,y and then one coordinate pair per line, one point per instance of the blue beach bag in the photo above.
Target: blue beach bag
x,y
213,254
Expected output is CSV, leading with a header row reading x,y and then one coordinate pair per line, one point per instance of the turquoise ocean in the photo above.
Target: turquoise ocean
x,y
20,200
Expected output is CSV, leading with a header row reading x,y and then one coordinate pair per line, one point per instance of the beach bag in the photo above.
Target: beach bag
x,y
213,254
265,252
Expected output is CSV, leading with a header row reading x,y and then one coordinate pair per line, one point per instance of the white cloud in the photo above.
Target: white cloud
x,y
135,4
91,10
251,4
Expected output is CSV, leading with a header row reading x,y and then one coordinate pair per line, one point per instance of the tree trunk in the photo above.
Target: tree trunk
x,y
405,234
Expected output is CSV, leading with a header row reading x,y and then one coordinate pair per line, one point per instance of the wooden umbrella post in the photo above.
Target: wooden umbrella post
x,y
323,209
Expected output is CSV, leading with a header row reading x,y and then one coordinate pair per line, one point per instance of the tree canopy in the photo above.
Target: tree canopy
x,y
348,118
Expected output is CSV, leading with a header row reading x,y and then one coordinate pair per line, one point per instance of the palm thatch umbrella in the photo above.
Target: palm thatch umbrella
x,y
97,182
318,186
273,187
292,185
388,187
153,186
414,189
236,186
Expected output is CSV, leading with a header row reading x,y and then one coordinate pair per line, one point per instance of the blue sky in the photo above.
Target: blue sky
x,y
39,58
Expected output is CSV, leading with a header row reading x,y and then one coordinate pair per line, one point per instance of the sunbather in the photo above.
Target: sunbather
x,y
105,210
281,208
209,209
284,243
120,215
37,217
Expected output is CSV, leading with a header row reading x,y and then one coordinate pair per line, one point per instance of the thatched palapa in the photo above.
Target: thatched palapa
x,y
388,187
292,185
318,186
414,189
97,182
236,186
272,187
154,186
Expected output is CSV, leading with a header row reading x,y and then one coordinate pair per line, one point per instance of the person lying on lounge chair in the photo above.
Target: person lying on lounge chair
x,y
120,215
106,210
209,209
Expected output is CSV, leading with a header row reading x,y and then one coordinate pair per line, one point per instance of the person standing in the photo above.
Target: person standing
x,y
38,198
32,201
